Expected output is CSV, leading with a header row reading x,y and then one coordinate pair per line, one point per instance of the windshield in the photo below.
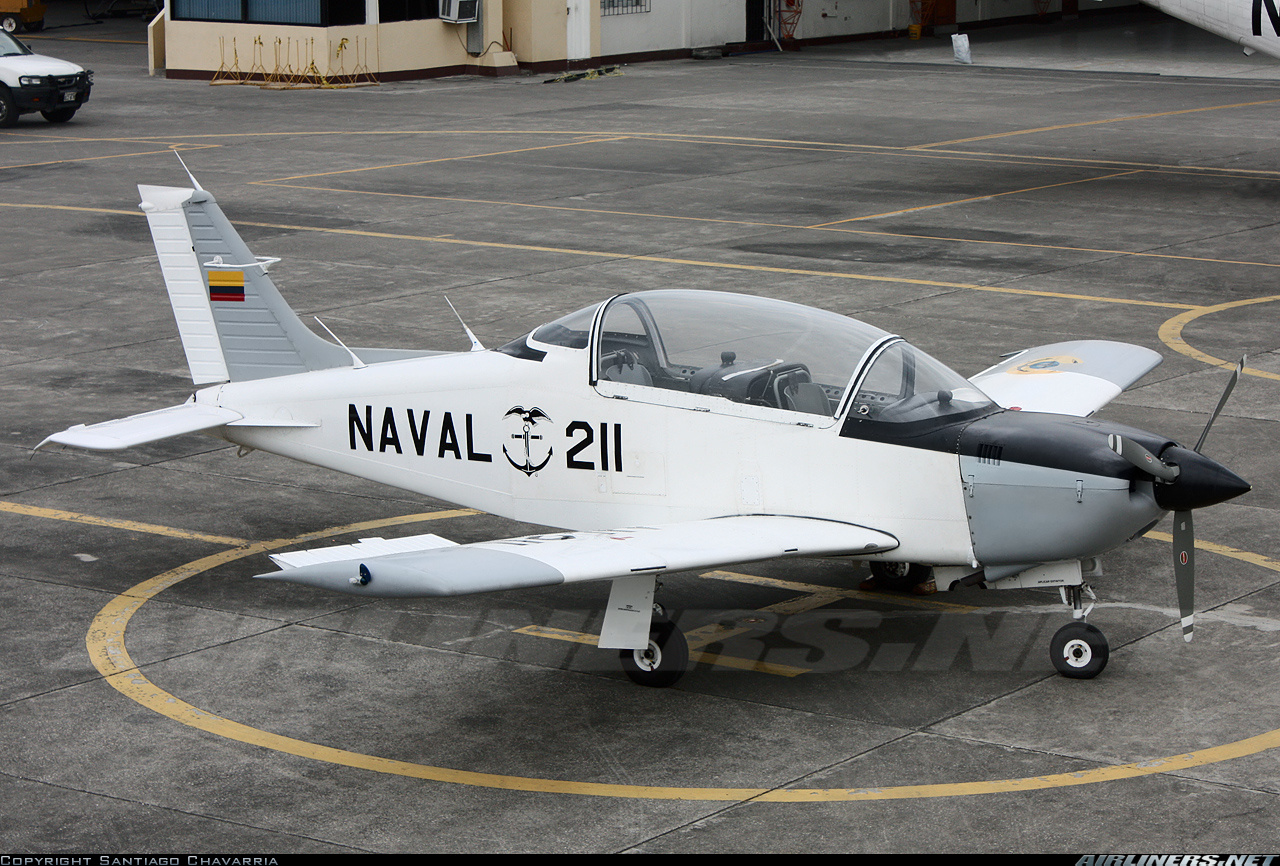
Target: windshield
x,y
571,331
739,348
10,46
907,388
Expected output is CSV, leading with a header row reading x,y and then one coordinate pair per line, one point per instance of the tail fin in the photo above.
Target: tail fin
x,y
234,323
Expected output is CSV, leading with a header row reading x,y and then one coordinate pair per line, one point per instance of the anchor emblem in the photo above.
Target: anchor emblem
x,y
529,418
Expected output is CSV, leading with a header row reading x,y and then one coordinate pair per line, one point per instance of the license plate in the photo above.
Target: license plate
x,y
69,96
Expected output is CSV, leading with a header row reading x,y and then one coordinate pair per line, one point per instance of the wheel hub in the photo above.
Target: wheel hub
x,y
650,658
1077,653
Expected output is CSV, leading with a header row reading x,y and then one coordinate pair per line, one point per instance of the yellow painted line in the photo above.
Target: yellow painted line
x,y
814,596
741,664
805,603
533,205
131,525
1221,549
592,640
702,263
559,634
705,635
70,207
441,159
1171,334
828,227
105,643
913,151
1093,123
84,159
1061,247
1084,162
972,199
819,589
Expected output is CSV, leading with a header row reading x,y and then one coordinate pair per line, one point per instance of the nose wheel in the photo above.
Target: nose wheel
x,y
1079,650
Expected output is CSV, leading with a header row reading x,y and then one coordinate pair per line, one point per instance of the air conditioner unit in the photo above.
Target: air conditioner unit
x,y
460,11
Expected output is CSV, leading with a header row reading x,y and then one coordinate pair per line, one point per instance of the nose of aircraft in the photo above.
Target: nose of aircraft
x,y
1201,481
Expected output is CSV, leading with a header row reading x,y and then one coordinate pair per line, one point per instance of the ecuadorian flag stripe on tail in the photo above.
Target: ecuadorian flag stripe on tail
x,y
226,285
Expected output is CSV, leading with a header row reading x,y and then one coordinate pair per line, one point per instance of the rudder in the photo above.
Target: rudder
x,y
234,323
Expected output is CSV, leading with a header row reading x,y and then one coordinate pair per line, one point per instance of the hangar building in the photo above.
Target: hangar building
x,y
389,40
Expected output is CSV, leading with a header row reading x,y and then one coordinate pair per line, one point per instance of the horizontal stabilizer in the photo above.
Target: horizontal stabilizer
x,y
569,557
140,429
1078,377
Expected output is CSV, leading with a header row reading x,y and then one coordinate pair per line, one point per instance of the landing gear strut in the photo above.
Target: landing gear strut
x,y
664,660
1079,650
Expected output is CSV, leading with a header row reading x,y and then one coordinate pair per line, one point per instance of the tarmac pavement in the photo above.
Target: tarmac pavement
x,y
975,210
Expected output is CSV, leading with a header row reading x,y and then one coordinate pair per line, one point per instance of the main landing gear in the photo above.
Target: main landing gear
x,y
664,660
900,576
1079,650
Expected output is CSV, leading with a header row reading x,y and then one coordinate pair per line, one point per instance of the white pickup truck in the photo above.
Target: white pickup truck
x,y
31,82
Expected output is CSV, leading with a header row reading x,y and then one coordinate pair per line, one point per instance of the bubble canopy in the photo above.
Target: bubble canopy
x,y
760,352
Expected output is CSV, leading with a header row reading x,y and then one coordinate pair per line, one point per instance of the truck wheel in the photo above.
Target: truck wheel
x,y
9,23
8,110
59,115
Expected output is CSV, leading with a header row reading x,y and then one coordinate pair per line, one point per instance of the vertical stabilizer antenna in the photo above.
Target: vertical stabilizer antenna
x,y
475,344
355,359
195,183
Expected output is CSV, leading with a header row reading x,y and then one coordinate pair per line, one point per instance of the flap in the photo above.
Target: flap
x,y
1078,377
140,429
567,557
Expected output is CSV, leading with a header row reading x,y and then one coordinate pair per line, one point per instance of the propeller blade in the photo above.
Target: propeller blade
x,y
1231,384
1141,457
1184,569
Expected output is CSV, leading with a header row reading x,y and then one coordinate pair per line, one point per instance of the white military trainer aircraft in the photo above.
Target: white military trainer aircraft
x,y
673,430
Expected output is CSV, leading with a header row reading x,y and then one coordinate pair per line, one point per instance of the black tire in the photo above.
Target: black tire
x,y
9,23
8,110
34,26
665,660
1079,651
899,575
60,115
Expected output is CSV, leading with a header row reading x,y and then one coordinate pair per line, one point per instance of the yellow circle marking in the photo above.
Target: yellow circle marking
x,y
1171,333
105,642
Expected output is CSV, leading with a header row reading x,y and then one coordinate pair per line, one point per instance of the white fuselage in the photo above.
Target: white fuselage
x,y
462,428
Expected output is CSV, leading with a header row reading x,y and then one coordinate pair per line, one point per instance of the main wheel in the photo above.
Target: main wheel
x,y
1079,650
899,575
661,663
9,23
59,115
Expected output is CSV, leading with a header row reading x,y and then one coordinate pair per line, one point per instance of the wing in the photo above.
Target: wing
x,y
430,566
1073,378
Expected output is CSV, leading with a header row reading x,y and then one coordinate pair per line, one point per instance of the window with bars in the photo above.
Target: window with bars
x,y
319,13
624,7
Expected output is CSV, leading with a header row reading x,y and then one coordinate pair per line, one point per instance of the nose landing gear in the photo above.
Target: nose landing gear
x,y
1079,650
